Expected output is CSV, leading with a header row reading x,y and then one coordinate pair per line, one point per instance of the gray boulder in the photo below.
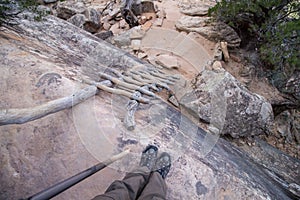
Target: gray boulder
x,y
67,9
89,21
215,31
92,24
219,99
78,20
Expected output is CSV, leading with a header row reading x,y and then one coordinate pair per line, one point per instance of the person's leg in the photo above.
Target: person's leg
x,y
134,182
129,188
156,187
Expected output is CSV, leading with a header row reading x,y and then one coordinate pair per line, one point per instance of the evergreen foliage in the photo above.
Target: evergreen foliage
x,y
270,26
10,8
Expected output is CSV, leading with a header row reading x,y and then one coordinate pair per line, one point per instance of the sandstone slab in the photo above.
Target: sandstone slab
x,y
210,30
195,9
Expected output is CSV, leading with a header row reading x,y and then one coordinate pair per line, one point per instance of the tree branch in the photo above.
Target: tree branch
x,y
21,116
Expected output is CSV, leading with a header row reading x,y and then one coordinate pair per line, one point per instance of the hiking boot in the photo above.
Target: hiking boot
x,y
163,164
149,156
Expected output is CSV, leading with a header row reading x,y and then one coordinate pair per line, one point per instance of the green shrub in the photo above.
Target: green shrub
x,y
4,8
273,26
10,8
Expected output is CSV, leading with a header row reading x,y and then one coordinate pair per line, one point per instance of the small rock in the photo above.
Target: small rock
x,y
158,22
135,44
104,35
123,39
172,99
113,13
123,24
147,26
78,20
143,19
106,26
150,16
115,28
112,22
217,66
142,55
137,34
44,9
167,61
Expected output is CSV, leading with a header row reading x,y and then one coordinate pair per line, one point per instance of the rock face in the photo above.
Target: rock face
x,y
211,30
221,100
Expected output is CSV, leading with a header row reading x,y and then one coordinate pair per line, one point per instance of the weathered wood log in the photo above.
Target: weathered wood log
x,y
155,78
225,51
129,120
137,79
162,73
130,80
116,72
116,91
148,80
162,77
127,85
20,116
